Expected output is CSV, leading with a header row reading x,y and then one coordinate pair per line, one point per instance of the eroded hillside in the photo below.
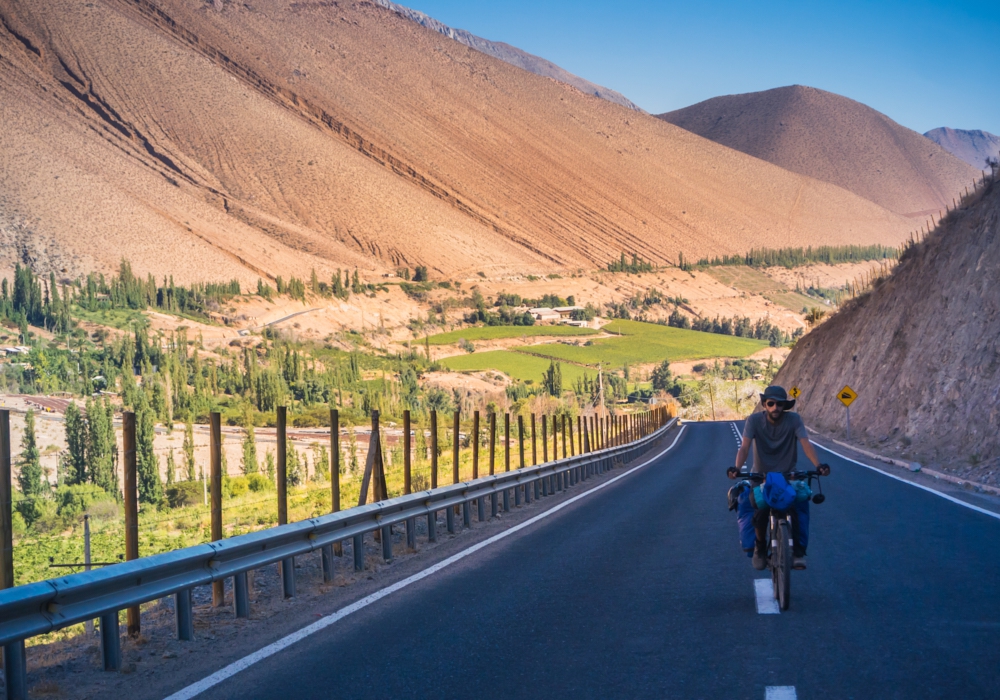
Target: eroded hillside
x,y
835,139
219,139
920,349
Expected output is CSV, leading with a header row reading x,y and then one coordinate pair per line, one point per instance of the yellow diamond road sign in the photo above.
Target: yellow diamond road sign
x,y
795,392
847,395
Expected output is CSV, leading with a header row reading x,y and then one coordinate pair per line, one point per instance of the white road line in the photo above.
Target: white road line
x,y
914,484
271,649
763,590
780,692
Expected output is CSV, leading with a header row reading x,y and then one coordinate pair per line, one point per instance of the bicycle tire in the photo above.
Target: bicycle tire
x,y
784,569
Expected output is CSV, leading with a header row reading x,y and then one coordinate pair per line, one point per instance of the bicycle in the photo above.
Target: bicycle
x,y
779,555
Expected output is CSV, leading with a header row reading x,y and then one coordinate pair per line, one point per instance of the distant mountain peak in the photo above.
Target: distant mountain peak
x,y
974,147
832,138
510,54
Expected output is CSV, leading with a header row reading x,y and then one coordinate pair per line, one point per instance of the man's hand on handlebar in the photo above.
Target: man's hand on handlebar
x,y
823,469
733,472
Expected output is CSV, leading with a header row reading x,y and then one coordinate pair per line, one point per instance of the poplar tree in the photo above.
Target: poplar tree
x,y
249,462
30,477
76,442
188,448
171,467
102,448
147,465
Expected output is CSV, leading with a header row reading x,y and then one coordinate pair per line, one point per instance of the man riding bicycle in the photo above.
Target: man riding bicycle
x,y
773,433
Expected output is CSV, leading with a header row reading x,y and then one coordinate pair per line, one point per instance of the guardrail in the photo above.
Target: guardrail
x,y
37,608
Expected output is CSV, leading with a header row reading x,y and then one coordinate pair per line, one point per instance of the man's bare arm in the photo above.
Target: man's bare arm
x,y
741,456
810,451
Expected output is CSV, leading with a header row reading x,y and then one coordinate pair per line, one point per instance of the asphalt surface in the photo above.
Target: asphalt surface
x,y
641,590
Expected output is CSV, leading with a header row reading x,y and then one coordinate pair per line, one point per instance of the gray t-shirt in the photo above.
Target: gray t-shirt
x,y
775,447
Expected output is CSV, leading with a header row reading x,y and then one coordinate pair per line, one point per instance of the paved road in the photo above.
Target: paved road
x,y
641,591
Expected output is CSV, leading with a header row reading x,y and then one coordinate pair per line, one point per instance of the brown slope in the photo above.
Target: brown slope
x,y
289,135
834,139
920,349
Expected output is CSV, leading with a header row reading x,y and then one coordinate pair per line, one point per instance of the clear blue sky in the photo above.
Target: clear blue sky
x,y
924,64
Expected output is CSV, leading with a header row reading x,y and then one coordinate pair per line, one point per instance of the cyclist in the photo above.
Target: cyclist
x,y
773,433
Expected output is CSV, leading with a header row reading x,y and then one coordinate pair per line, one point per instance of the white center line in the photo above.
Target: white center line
x,y
763,590
780,692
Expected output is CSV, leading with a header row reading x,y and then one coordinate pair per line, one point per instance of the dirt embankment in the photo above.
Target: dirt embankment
x,y
921,351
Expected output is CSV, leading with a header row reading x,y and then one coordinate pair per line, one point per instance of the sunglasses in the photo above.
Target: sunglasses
x,y
770,403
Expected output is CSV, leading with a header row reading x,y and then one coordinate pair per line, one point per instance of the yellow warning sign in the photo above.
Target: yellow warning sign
x,y
847,395
795,392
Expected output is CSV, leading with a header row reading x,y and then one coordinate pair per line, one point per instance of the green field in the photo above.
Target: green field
x,y
514,364
498,332
794,301
644,343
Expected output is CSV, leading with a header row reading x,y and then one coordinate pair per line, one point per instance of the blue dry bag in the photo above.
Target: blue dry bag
x,y
777,492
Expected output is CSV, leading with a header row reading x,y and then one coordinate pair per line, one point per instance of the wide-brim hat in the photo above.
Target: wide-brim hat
x,y
777,393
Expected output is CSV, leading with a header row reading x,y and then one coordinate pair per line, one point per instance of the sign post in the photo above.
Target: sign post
x,y
846,397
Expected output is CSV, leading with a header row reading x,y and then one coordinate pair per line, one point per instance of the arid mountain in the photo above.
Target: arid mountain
x,y
834,139
974,147
218,139
920,349
510,54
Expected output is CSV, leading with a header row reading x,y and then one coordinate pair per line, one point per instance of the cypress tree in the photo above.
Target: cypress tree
x,y
102,448
171,467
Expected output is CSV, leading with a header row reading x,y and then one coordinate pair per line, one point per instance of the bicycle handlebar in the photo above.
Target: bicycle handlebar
x,y
735,473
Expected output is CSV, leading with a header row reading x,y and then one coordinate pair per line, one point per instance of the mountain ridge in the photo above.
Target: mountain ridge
x,y
972,146
510,54
165,133
835,139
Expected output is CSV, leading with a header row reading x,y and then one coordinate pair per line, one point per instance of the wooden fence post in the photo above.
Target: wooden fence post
x,y
506,442
215,455
455,478
434,449
475,444
131,508
534,445
493,441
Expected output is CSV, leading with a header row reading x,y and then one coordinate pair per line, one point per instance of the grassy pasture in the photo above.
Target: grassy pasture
x,y
746,279
517,365
645,343
500,332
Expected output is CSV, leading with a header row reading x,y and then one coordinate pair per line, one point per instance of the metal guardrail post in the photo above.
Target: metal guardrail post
x,y
111,648
15,660
215,455
467,514
481,507
183,615
449,518
241,595
131,508
359,552
387,542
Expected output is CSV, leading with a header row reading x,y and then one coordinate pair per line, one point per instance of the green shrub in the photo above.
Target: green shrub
x,y
258,482
185,493
73,501
236,486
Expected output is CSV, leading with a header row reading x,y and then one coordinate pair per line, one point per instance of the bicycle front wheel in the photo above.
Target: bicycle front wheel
x,y
783,572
